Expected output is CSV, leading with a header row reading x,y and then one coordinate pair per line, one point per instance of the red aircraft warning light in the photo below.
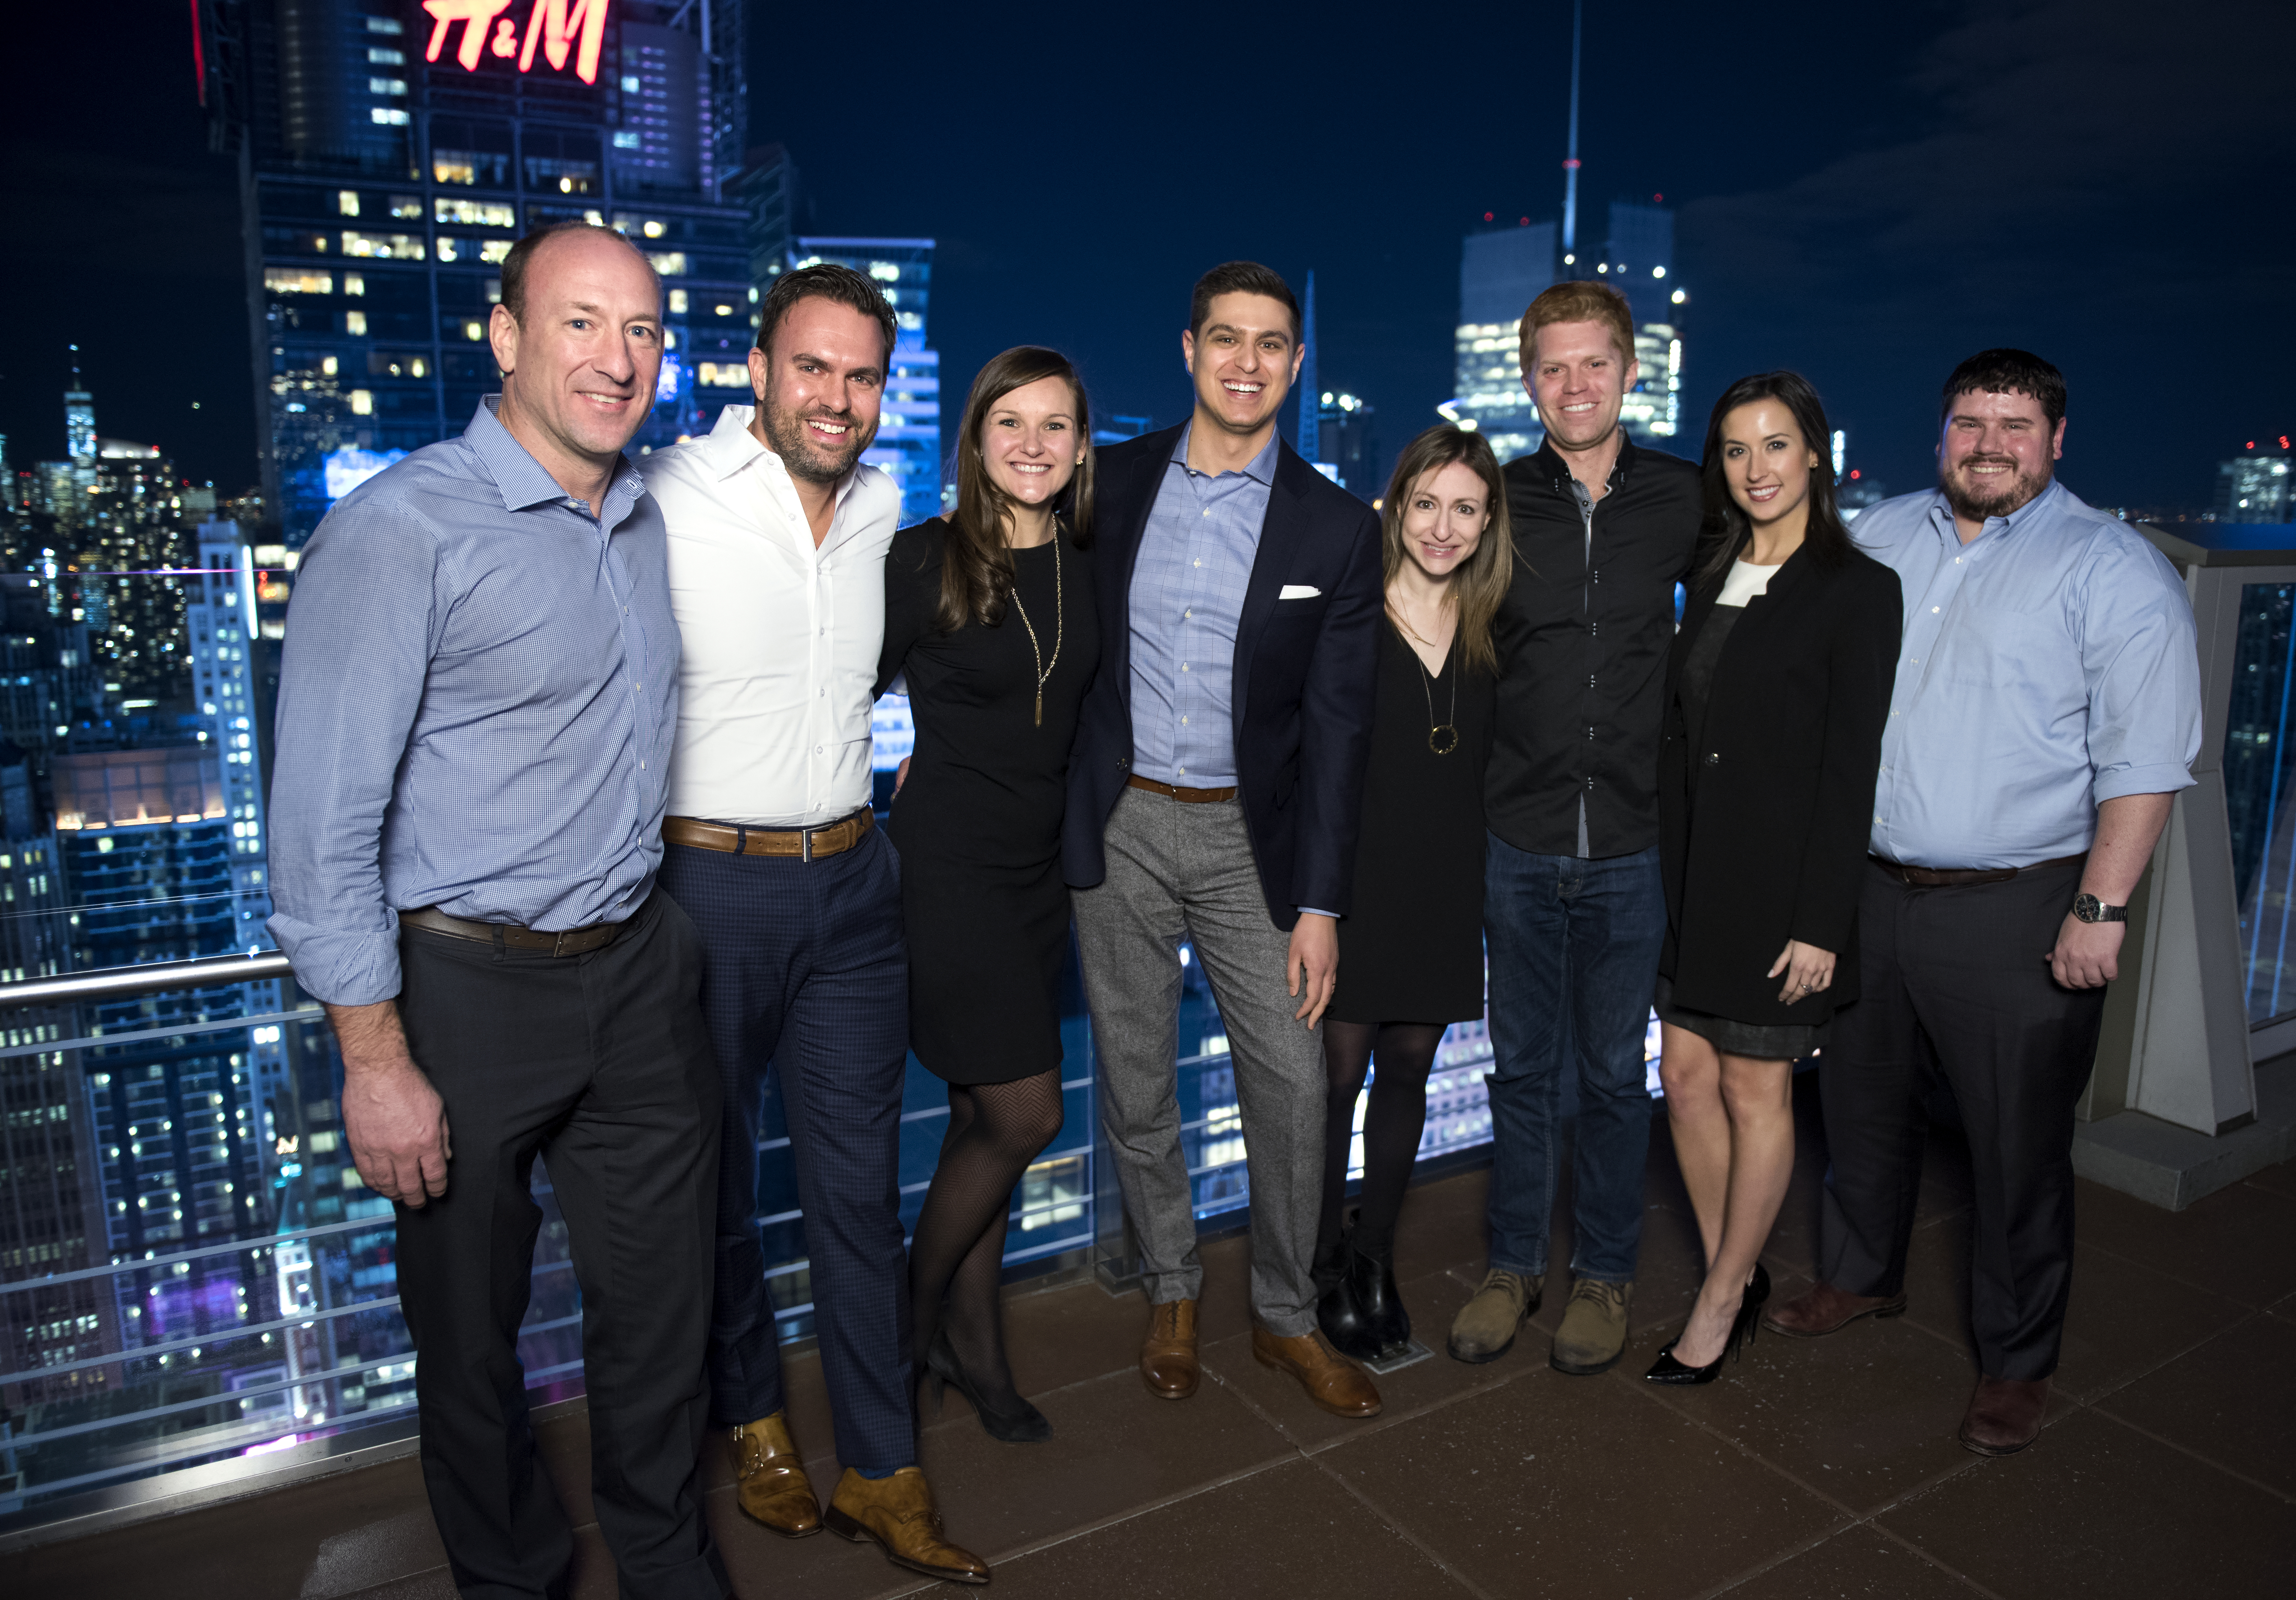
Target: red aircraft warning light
x,y
562,29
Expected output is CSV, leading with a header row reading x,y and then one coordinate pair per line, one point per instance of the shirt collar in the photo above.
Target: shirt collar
x,y
1942,514
521,479
730,446
1260,468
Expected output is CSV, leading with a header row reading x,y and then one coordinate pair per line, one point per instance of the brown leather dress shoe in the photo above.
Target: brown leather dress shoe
x,y
1331,1381
2004,1415
1823,1308
770,1484
897,1513
1167,1356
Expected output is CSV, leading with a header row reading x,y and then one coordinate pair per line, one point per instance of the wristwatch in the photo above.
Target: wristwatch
x,y
2090,909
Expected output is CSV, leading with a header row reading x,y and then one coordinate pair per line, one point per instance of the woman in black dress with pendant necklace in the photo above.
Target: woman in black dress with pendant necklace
x,y
989,615
1411,950
1777,685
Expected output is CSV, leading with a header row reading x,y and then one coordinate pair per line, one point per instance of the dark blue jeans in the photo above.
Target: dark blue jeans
x,y
1573,946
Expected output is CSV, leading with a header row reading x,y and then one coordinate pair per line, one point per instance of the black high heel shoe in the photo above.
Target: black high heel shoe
x,y
1666,1369
1027,1425
1386,1324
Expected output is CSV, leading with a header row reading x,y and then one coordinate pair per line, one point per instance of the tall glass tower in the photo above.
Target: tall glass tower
x,y
392,151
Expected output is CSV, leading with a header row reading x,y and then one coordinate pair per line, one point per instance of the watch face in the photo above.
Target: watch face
x,y
2089,907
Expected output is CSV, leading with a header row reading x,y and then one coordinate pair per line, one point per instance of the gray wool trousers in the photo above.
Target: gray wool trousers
x,y
1179,871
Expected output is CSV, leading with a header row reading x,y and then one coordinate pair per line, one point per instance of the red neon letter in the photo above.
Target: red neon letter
x,y
473,15
552,24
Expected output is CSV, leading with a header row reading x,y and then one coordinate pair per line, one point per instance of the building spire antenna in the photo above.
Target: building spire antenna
x,y
1570,162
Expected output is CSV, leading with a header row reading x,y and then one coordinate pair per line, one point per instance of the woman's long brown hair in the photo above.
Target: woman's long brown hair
x,y
976,573
1479,586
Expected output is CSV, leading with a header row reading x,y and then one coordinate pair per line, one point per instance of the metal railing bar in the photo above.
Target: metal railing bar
x,y
95,1040
153,1263
347,1423
226,1399
207,972
152,1352
924,1116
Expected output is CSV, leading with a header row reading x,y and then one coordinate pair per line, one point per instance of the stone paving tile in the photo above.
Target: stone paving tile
x,y
2124,1320
1287,1533
1511,1482
1862,1415
1855,1565
2096,1509
2232,1400
2240,1242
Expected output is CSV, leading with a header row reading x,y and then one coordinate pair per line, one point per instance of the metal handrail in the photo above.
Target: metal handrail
x,y
207,973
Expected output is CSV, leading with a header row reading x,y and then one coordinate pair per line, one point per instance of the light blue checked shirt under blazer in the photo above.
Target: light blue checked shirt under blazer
x,y
1188,584
2047,666
477,704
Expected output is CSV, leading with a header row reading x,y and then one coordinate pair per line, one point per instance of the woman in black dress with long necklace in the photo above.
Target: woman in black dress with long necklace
x,y
1777,687
1411,949
988,615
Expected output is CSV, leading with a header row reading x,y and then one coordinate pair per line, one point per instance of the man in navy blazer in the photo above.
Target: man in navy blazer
x,y
1213,796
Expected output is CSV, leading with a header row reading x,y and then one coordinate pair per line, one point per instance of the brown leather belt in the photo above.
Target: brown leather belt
x,y
804,843
1186,797
1957,877
574,941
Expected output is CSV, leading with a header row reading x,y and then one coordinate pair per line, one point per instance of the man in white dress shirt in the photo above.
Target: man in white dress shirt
x,y
777,540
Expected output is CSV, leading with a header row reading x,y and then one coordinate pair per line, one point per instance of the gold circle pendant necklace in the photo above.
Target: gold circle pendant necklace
x,y
1044,667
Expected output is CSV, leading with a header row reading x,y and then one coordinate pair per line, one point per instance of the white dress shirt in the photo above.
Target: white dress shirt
x,y
780,639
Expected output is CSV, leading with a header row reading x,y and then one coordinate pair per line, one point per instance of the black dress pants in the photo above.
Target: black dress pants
x,y
599,1064
1954,982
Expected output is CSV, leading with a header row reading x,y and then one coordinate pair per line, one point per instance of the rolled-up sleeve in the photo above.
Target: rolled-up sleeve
x,y
2142,659
361,630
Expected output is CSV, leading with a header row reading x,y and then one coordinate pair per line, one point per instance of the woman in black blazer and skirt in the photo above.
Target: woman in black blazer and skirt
x,y
1777,687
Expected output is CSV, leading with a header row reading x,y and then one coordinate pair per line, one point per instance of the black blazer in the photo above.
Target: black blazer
x,y
1304,671
1775,844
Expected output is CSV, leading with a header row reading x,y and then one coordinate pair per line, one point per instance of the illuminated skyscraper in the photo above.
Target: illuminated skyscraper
x,y
1501,272
908,432
1310,441
2255,486
1638,262
393,150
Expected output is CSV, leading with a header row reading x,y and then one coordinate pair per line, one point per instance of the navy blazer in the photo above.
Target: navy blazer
x,y
1304,672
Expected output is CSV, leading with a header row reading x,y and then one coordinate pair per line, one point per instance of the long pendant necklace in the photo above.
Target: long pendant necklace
x,y
1443,737
1044,667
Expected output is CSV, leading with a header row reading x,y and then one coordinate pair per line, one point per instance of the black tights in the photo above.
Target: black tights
x,y
1398,1114
957,1254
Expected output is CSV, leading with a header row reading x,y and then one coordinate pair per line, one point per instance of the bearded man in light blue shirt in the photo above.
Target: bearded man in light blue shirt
x,y
2046,710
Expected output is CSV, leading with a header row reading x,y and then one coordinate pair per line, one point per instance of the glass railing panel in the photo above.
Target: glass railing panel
x,y
2259,779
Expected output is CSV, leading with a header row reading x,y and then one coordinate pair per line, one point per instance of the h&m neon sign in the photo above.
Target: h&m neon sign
x,y
562,29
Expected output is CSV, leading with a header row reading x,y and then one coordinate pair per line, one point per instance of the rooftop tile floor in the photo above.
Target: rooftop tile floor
x,y
1815,1468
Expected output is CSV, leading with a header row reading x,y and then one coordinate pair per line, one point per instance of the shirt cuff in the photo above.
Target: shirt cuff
x,y
1318,911
2117,782
338,968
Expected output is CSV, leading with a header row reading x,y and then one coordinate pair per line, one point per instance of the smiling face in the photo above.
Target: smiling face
x,y
1998,451
1579,377
1031,443
579,364
1244,360
819,388
1766,460
1445,517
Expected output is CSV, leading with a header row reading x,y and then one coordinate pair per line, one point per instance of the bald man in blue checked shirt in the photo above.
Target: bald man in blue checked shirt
x,y
2046,710
476,712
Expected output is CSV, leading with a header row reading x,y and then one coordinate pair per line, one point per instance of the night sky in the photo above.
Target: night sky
x,y
1866,193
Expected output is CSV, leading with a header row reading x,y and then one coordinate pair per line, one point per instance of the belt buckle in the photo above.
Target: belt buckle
x,y
558,945
805,846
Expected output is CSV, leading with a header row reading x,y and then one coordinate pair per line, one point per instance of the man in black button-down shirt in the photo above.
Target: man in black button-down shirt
x,y
1574,911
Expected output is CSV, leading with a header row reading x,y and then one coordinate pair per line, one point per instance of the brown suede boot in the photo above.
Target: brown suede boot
x,y
1167,1356
897,1513
2004,1415
1823,1309
770,1484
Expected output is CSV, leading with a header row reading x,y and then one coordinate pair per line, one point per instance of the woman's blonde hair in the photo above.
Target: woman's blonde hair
x,y
1480,584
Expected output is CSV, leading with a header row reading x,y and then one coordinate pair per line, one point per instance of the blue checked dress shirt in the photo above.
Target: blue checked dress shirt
x,y
2047,665
1188,584
477,703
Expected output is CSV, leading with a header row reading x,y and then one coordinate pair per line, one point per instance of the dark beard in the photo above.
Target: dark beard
x,y
802,456
2022,490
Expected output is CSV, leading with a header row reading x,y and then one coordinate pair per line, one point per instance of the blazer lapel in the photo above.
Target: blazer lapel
x,y
1280,538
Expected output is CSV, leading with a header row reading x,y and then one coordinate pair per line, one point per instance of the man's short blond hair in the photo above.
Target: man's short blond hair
x,y
1582,302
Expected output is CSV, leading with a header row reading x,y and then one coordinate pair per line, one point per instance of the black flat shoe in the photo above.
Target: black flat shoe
x,y
1371,1280
1027,1425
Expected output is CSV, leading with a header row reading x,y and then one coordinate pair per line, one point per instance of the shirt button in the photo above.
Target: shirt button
x,y
1183,722
1184,771
1187,613
1184,666
1195,563
1933,611
1713,759
1207,513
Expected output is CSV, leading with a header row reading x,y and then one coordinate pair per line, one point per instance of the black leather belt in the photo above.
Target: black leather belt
x,y
1956,877
574,941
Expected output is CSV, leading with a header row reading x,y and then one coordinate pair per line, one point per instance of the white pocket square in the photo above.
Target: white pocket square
x,y
1299,591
